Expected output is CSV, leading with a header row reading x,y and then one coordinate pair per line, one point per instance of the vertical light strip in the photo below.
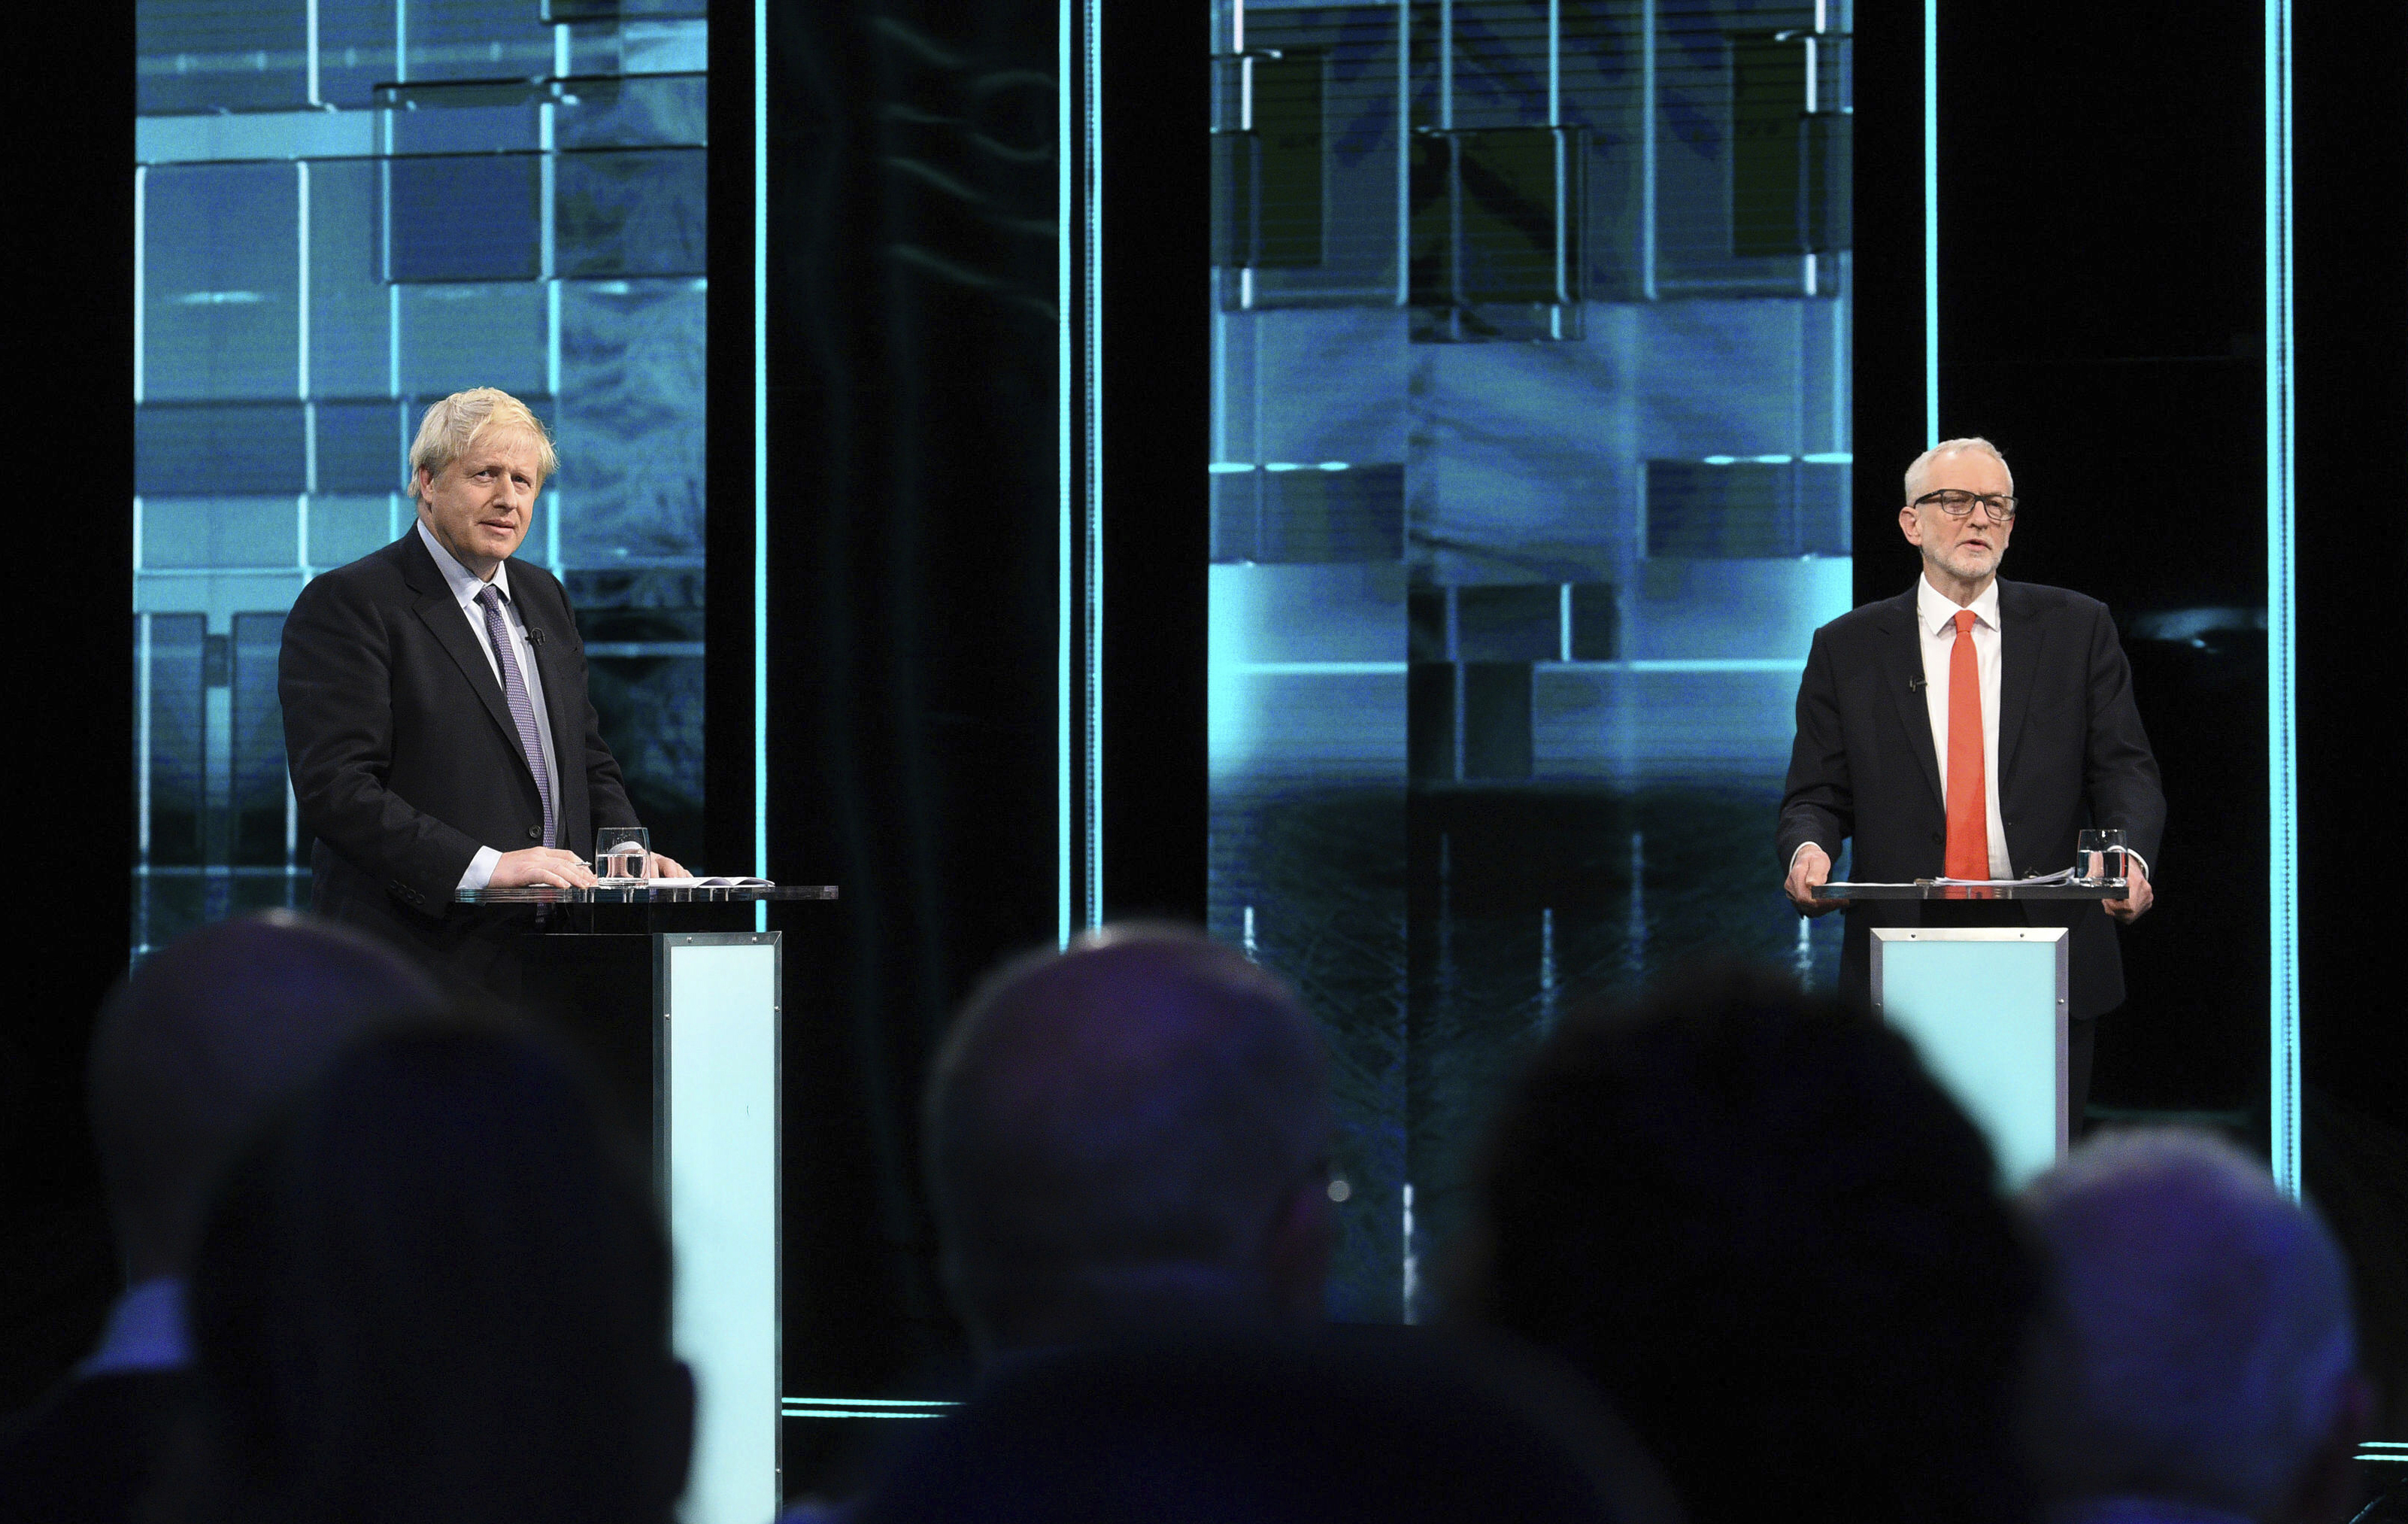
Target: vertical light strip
x,y
1563,166
1446,65
549,145
301,285
1404,157
1245,124
141,284
301,337
1092,309
1807,268
761,452
1555,74
2282,804
1930,221
1066,215
1647,149
548,259
313,46
142,733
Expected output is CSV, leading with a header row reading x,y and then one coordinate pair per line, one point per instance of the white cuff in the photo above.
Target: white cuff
x,y
480,868
1801,848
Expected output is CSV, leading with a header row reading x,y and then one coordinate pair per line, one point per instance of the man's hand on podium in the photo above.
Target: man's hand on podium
x,y
540,864
2137,896
658,867
1809,871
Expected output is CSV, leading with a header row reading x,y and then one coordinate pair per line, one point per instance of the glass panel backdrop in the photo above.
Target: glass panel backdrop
x,y
347,208
1530,482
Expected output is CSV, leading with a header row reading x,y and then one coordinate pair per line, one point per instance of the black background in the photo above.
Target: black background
x,y
2102,314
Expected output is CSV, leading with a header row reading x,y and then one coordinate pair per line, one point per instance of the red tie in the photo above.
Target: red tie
x,y
1969,814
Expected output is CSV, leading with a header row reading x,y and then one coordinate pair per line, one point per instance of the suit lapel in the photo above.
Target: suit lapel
x,y
1901,660
443,619
2020,640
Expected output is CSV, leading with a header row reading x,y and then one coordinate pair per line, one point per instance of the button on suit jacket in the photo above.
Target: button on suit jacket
x,y
405,759
2071,755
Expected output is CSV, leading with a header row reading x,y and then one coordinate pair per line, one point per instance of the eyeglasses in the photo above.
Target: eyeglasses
x,y
1958,505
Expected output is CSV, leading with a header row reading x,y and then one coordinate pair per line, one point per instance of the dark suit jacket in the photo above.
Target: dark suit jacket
x,y
2071,755
404,757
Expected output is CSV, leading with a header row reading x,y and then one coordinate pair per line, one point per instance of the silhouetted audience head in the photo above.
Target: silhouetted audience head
x,y
200,1044
437,1290
1298,1431
2209,1360
1129,1133
1777,1246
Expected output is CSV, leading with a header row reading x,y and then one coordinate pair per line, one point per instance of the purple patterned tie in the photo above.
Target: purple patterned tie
x,y
514,692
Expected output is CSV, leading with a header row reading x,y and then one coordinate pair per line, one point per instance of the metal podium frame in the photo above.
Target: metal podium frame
x,y
1968,1094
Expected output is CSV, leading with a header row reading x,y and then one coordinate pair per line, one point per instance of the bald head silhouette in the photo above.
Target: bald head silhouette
x,y
209,1036
1131,1133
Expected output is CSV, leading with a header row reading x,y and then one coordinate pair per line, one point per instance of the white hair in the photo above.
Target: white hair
x,y
1973,444
2210,1342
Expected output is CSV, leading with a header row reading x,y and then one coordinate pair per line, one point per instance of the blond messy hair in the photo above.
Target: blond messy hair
x,y
460,420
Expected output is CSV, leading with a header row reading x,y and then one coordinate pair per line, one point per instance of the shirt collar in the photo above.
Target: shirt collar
x,y
146,1331
1934,610
463,583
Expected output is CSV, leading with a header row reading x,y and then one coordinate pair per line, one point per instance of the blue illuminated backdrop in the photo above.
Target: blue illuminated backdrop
x,y
345,209
1530,479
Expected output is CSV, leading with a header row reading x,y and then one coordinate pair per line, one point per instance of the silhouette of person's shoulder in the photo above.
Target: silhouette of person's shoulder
x,y
89,1451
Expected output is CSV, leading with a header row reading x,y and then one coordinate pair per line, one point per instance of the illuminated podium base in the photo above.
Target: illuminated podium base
x,y
681,1021
1987,1008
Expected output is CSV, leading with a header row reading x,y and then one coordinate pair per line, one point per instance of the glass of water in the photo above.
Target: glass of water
x,y
620,853
2098,857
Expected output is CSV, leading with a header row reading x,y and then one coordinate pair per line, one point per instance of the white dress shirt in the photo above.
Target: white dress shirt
x,y
1935,621
464,586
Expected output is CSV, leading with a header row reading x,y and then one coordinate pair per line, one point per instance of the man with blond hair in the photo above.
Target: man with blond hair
x,y
1970,727
436,714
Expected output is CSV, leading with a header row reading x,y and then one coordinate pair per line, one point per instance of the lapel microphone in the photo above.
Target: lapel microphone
x,y
534,636
1916,685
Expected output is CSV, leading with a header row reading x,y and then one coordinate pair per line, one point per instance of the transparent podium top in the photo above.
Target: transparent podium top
x,y
647,894
1994,889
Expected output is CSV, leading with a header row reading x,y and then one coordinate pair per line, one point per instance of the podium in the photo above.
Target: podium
x,y
1985,1006
678,1009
